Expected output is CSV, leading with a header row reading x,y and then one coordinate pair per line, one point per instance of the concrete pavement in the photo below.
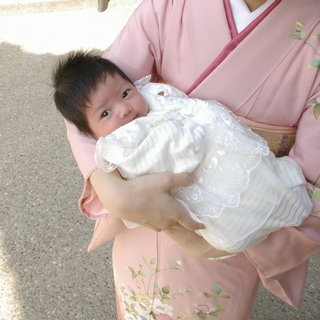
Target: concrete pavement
x,y
9,7
45,271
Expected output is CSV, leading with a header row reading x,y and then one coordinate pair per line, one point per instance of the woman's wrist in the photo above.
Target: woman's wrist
x,y
110,188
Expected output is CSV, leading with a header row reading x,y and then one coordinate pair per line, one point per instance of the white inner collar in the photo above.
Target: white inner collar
x,y
242,15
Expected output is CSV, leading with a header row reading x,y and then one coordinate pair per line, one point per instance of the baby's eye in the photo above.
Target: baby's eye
x,y
105,113
125,94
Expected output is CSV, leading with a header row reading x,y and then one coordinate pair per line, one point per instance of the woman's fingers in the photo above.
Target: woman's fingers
x,y
175,180
171,212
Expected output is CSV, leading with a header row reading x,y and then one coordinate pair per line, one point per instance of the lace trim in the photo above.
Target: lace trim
x,y
225,170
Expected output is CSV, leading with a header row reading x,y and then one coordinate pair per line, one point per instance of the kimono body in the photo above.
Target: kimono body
x,y
270,76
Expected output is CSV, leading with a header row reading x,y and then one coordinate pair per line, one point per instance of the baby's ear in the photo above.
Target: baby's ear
x,y
161,93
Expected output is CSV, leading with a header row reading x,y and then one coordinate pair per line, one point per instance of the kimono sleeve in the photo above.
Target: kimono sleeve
x,y
284,263
306,150
107,226
83,149
142,56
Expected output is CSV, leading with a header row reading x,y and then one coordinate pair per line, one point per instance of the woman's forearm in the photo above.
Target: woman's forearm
x,y
145,200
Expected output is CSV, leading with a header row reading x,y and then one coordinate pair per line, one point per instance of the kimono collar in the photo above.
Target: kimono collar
x,y
264,43
239,15
236,40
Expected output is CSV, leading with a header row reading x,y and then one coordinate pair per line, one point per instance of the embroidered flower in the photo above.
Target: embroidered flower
x,y
299,25
143,299
128,316
315,63
161,309
204,308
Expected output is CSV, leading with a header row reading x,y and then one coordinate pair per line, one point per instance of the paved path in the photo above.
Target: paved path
x,y
45,271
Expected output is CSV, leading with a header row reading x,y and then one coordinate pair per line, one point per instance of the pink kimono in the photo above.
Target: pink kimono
x,y
268,73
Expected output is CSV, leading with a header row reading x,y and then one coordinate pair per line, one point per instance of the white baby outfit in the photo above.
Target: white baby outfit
x,y
241,191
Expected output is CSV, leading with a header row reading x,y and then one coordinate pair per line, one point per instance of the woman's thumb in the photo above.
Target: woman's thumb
x,y
176,180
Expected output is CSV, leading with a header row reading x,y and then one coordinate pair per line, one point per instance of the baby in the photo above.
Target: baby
x,y
241,193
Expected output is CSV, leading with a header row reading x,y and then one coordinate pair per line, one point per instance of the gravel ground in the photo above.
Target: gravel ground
x,y
45,270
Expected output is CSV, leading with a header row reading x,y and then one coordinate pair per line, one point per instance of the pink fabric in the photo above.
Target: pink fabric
x,y
265,78
236,40
184,278
107,226
229,15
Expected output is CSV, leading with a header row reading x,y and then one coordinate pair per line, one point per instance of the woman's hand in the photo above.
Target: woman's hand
x,y
145,200
195,244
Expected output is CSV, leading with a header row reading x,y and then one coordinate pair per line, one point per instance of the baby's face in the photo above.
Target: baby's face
x,y
115,103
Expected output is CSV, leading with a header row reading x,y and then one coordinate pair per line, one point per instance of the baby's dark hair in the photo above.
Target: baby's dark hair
x,y
75,78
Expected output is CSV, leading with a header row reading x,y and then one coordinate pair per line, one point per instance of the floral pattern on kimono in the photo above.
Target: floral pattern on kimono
x,y
313,192
153,301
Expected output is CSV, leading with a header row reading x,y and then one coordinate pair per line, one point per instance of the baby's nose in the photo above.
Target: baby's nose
x,y
124,110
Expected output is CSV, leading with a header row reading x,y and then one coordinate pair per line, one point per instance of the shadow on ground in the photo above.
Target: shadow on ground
x,y
47,273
